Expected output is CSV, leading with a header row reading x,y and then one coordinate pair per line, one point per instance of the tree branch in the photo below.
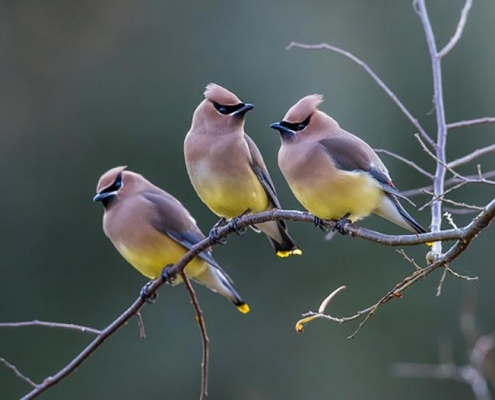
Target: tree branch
x,y
35,322
438,185
18,373
463,237
453,181
204,336
458,32
472,156
466,374
373,75
471,122
407,162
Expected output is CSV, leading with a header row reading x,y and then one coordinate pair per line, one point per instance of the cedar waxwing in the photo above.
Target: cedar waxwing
x,y
334,174
226,168
151,229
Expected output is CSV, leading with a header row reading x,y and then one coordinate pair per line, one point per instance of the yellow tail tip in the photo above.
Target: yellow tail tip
x,y
429,244
243,308
283,254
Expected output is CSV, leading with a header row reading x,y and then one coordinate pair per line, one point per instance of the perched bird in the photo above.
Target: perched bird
x,y
334,174
152,229
226,168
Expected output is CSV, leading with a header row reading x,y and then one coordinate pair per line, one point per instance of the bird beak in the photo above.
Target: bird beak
x,y
102,196
282,129
244,109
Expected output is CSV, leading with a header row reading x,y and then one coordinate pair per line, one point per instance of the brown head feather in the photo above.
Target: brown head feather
x,y
132,183
303,108
109,177
220,95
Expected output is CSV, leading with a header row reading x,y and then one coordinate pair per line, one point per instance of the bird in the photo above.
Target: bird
x,y
151,229
227,170
334,174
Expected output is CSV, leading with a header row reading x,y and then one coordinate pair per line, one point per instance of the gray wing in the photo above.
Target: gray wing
x,y
259,168
173,220
353,154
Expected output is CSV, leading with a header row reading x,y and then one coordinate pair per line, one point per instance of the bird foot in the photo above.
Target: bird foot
x,y
215,239
146,296
234,228
341,224
167,276
320,223
213,235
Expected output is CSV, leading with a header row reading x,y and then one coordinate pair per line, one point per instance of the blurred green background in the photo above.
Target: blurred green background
x,y
88,85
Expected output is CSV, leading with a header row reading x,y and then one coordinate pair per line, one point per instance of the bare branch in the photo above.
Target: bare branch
x,y
324,304
439,162
463,237
471,122
452,202
432,371
472,156
142,332
438,185
466,374
407,162
452,181
18,373
442,280
373,75
35,322
409,259
204,336
458,32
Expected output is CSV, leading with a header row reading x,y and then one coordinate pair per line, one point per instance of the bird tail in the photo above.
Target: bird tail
x,y
391,209
218,281
279,238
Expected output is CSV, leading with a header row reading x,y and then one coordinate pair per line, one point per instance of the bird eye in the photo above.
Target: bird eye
x,y
221,109
117,184
303,124
228,110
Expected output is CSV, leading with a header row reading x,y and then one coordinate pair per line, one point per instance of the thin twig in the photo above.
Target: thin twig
x,y
442,280
458,32
454,203
373,75
438,161
142,332
204,336
452,181
35,322
407,162
18,373
466,374
323,306
471,122
409,259
472,156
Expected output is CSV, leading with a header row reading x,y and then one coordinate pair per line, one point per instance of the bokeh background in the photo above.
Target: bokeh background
x,y
88,85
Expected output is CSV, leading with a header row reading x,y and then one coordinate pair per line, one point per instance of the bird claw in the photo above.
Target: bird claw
x,y
320,223
234,228
341,224
146,296
215,239
213,235
167,276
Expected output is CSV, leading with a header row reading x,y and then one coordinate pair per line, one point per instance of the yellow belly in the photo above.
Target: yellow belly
x,y
229,196
355,193
150,260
